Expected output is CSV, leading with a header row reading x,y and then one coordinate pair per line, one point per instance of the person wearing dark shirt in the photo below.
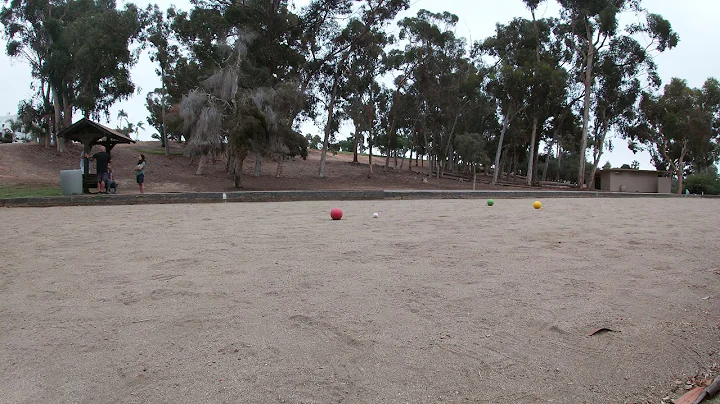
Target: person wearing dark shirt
x,y
102,158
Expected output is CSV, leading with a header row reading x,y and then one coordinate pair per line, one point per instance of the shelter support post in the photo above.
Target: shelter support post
x,y
86,166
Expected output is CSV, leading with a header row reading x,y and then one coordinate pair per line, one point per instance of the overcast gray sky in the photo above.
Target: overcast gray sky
x,y
695,59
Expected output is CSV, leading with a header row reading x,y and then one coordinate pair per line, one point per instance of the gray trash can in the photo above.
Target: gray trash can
x,y
71,182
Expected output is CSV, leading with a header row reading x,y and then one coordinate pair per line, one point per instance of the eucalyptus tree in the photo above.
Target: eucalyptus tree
x,y
78,51
621,70
471,149
330,45
591,27
510,82
359,92
441,77
159,36
679,126
258,77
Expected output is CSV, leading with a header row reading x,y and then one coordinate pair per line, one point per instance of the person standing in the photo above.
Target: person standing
x,y
102,158
140,173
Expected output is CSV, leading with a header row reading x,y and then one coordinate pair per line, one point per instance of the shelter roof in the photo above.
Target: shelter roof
x,y
90,133
632,170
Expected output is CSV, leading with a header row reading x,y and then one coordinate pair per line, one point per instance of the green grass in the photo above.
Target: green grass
x,y
22,191
161,152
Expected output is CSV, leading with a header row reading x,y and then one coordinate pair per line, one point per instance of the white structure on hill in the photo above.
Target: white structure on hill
x,y
6,127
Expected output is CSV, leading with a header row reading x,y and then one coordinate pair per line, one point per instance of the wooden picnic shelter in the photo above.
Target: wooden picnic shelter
x,y
90,134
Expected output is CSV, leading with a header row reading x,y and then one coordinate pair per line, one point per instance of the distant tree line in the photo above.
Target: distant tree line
x,y
543,97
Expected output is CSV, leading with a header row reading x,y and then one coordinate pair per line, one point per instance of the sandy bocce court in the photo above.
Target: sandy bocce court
x,y
434,300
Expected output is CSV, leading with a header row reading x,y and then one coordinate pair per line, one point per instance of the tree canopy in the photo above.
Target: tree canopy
x,y
239,77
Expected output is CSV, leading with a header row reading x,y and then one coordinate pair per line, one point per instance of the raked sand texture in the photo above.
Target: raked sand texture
x,y
435,300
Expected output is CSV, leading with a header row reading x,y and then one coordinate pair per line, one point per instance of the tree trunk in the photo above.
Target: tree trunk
x,y
586,107
534,144
393,128
67,112
429,153
388,150
498,152
370,153
536,161
514,167
448,148
591,180
48,131
474,175
681,168
371,138
355,148
547,162
67,120
597,154
164,137
531,157
57,107
441,163
239,156
559,159
281,160
258,164
328,124
201,164
680,177
230,163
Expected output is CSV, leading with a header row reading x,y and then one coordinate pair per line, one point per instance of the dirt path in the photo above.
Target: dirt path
x,y
433,301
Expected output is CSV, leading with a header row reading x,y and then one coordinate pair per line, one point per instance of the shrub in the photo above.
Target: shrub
x,y
703,183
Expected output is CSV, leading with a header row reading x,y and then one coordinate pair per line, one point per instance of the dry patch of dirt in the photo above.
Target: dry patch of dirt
x,y
34,165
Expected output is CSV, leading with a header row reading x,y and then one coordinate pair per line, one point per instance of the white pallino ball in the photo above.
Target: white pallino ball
x,y
375,215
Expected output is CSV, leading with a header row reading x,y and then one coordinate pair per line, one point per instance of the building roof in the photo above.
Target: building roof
x,y
631,170
88,132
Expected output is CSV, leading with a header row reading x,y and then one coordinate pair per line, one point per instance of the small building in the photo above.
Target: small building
x,y
6,122
630,180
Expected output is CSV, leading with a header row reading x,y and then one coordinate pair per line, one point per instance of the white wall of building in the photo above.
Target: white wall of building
x,y
6,123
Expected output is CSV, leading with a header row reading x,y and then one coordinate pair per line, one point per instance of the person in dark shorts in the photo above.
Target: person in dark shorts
x,y
140,173
102,159
110,180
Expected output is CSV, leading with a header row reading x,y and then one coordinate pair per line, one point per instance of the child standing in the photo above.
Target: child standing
x,y
140,173
110,180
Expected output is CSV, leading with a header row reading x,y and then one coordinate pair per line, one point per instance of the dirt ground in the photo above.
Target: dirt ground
x,y
33,165
442,300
